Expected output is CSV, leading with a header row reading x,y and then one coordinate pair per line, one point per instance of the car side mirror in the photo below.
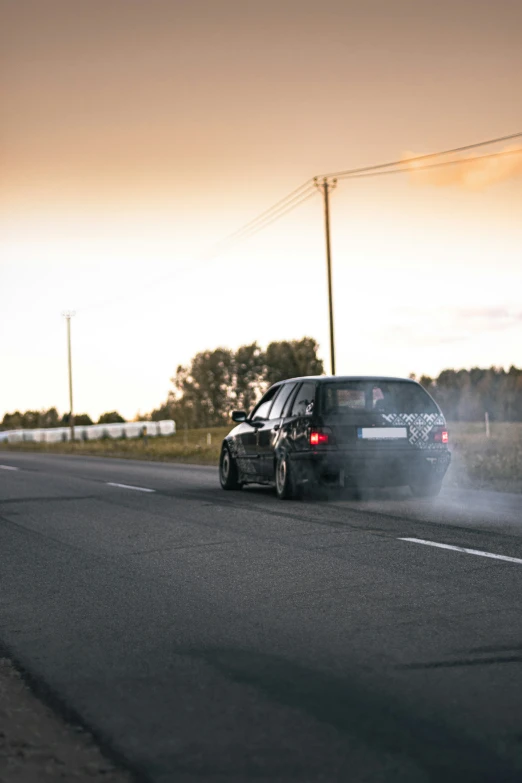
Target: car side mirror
x,y
239,416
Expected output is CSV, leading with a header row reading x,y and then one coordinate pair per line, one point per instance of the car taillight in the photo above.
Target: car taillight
x,y
440,435
318,438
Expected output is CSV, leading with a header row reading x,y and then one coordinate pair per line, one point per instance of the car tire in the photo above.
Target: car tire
x,y
286,487
426,489
228,472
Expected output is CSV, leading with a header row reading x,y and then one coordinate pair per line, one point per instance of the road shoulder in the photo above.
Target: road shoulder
x,y
37,746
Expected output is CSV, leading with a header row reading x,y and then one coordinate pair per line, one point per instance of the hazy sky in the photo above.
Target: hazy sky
x,y
135,134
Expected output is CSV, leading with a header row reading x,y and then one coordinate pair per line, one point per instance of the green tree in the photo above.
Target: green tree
x,y
203,390
158,414
249,368
215,382
13,421
31,420
425,381
466,395
513,395
80,419
50,418
112,417
291,359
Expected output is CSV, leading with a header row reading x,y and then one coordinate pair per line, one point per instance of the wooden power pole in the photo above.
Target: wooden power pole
x,y
325,186
68,315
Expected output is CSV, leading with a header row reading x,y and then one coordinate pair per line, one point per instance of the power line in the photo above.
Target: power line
x,y
350,172
290,207
457,162
280,208
306,190
219,247
396,167
268,212
267,217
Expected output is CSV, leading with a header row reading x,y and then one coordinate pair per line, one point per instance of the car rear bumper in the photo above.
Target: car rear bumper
x,y
392,467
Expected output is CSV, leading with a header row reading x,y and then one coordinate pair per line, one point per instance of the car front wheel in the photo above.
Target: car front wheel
x,y
228,472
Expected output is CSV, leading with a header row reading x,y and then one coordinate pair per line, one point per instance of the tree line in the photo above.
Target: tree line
x,y
466,395
32,420
219,381
208,388
215,382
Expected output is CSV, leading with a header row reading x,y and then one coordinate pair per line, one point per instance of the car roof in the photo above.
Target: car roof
x,y
326,378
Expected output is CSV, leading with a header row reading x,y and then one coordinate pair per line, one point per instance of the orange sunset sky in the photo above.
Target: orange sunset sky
x,y
135,134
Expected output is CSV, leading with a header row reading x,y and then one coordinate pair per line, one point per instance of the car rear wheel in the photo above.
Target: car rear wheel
x,y
286,487
426,489
228,472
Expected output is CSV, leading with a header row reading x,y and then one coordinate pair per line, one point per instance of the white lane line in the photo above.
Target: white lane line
x,y
129,486
7,467
464,549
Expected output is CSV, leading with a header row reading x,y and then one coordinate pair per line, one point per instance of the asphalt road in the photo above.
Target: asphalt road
x,y
210,636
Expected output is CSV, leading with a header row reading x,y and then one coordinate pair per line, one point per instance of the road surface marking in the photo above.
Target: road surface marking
x,y
129,486
7,467
464,549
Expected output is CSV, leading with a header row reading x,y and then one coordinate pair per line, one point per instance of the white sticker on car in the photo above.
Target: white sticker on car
x,y
382,433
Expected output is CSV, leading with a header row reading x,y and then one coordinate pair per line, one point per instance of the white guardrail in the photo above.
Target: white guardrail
x,y
131,429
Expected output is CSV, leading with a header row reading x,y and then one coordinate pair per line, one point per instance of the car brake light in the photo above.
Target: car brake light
x,y
441,435
317,438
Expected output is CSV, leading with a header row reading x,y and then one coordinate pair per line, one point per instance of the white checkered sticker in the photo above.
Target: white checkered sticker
x,y
419,426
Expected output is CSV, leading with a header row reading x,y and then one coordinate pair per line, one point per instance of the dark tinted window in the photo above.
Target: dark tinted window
x,y
346,397
277,408
304,401
261,411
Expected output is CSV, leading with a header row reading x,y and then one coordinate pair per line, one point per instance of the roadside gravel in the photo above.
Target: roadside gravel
x,y
37,746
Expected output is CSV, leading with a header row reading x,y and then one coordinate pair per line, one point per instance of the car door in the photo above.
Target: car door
x,y
249,459
297,419
270,432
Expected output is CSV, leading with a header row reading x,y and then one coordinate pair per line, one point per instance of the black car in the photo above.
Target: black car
x,y
358,431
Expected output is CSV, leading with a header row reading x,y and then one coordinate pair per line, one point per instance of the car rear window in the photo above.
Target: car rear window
x,y
348,397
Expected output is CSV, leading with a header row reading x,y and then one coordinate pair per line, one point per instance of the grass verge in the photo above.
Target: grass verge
x,y
486,463
189,446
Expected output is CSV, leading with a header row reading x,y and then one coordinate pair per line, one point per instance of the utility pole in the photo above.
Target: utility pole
x,y
68,314
325,186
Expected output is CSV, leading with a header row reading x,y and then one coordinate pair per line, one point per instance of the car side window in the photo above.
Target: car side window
x,y
261,411
277,408
304,401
